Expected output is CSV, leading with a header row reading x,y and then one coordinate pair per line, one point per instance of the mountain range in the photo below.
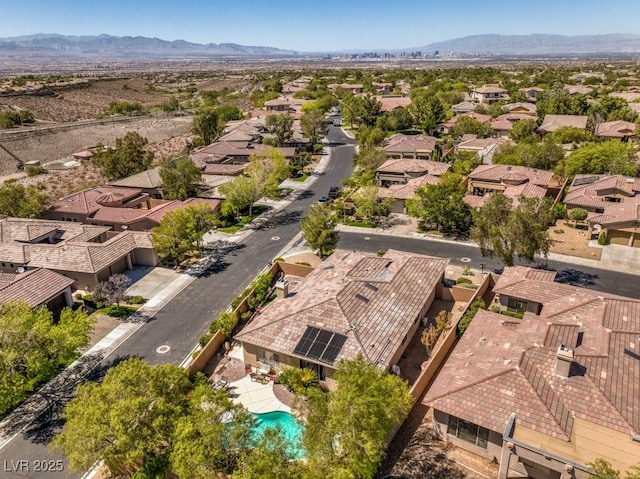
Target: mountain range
x,y
114,47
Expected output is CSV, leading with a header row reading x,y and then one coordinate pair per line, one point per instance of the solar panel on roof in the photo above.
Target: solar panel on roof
x,y
371,286
361,298
320,344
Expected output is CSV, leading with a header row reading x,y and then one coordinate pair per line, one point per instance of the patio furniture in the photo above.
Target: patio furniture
x,y
260,378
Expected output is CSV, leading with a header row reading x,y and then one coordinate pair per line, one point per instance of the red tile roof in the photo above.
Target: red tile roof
x,y
412,165
502,366
401,143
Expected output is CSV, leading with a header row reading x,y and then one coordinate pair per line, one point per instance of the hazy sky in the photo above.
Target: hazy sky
x,y
320,25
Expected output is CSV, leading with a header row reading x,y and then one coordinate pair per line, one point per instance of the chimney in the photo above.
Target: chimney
x,y
282,289
564,358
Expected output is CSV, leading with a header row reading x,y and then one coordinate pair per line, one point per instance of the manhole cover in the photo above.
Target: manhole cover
x,y
275,238
465,260
367,238
163,349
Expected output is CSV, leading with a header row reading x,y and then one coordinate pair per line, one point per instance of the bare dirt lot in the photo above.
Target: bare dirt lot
x,y
572,241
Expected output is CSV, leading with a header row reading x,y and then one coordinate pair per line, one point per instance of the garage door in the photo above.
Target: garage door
x,y
636,240
618,237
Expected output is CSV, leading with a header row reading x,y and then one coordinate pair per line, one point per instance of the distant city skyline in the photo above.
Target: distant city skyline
x,y
330,25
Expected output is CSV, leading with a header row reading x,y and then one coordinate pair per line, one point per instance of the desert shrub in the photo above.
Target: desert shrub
x,y
137,300
558,231
78,296
468,285
466,270
495,309
602,238
299,380
34,170
87,297
462,280
381,252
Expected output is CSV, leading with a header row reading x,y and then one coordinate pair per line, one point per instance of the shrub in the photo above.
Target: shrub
x,y
559,211
245,316
236,302
225,323
558,231
381,252
299,380
78,296
205,338
303,263
512,314
468,285
137,300
34,170
477,304
87,297
578,214
495,309
602,238
466,270
278,259
462,280
261,286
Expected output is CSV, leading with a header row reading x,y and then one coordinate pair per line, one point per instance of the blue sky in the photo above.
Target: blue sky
x,y
320,25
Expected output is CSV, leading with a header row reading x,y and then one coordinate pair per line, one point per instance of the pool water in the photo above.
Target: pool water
x,y
289,425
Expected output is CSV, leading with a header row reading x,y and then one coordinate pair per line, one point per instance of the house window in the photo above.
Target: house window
x,y
268,357
516,305
467,431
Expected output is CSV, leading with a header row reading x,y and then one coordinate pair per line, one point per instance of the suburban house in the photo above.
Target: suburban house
x,y
520,107
447,126
553,122
354,88
532,93
488,94
148,182
37,287
578,89
503,124
623,130
382,87
545,395
400,145
399,193
400,171
391,102
85,253
464,107
117,208
613,203
230,158
483,147
279,105
513,181
352,304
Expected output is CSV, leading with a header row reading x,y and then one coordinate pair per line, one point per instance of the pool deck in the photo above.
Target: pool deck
x,y
253,395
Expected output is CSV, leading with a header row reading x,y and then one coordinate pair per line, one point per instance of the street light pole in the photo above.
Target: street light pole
x,y
482,266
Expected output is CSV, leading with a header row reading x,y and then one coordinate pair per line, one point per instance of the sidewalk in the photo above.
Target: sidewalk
x,y
614,257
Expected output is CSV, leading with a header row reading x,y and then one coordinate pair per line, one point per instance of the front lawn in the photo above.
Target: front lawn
x,y
121,312
360,224
301,178
244,220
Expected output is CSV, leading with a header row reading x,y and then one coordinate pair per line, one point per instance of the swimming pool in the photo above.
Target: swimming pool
x,y
290,426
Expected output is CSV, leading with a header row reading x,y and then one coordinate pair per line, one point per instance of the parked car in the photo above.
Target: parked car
x,y
323,200
333,192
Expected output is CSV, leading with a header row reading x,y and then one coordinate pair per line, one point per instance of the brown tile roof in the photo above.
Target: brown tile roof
x,y
401,143
578,89
615,129
589,191
477,144
371,300
34,287
224,169
502,366
482,118
490,89
464,106
530,108
408,190
146,180
392,102
553,122
412,165
89,201
496,173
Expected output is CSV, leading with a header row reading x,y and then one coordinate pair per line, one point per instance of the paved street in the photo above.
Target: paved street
x,y
182,321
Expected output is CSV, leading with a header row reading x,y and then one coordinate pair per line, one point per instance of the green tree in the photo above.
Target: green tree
x,y
239,194
543,155
300,161
523,129
578,214
181,178
612,157
125,108
270,458
318,229
370,137
207,439
347,428
368,204
208,125
228,113
603,469
505,232
361,110
313,127
367,161
127,158
426,109
281,126
569,134
35,346
611,108
442,205
181,231
395,120
558,101
18,201
465,125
